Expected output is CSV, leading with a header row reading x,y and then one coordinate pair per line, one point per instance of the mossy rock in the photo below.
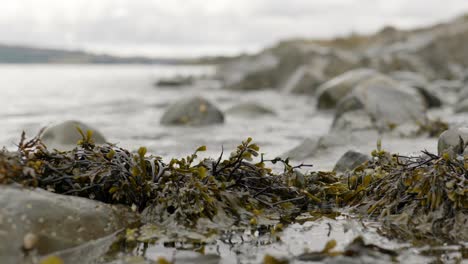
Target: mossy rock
x,y
194,111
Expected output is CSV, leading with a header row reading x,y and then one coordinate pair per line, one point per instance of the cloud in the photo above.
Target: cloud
x,y
191,27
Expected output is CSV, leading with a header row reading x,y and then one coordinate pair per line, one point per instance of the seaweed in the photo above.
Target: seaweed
x,y
422,199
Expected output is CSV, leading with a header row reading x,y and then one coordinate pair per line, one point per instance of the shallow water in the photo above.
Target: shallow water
x,y
123,103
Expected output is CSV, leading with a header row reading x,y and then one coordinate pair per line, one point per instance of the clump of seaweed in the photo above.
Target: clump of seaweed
x,y
182,190
421,198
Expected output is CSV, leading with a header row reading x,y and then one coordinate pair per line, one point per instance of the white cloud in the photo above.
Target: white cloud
x,y
190,27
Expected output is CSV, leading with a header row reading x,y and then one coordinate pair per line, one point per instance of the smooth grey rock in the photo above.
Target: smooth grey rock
x,y
331,92
250,109
449,140
387,102
350,160
59,222
65,135
194,111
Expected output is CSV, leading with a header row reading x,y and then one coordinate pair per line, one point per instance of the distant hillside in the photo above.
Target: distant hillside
x,y
23,54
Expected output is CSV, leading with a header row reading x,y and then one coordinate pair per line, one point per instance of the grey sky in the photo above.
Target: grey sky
x,y
195,27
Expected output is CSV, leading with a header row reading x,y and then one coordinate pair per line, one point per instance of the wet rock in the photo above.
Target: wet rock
x,y
65,135
46,222
329,93
194,111
450,140
250,109
387,103
350,160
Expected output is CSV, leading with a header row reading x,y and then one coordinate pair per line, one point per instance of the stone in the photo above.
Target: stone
x,y
331,92
304,80
350,160
449,140
461,107
65,135
193,111
387,102
39,220
250,109
421,84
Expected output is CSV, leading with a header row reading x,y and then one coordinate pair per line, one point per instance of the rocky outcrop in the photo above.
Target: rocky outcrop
x,y
65,135
194,111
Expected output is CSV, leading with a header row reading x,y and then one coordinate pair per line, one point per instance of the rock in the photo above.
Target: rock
x,y
304,80
194,111
305,149
461,107
250,109
449,140
350,160
329,93
282,71
65,135
387,102
421,84
39,220
175,81
245,73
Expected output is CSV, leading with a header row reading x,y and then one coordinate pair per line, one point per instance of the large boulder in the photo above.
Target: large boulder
x,y
194,111
39,220
65,135
449,140
331,92
350,160
250,109
387,103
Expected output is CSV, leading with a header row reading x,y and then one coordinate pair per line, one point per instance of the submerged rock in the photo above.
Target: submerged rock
x,y
194,111
331,92
56,221
250,109
450,140
350,160
65,135
387,102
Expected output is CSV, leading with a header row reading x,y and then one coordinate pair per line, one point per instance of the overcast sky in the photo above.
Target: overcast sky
x,y
204,27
